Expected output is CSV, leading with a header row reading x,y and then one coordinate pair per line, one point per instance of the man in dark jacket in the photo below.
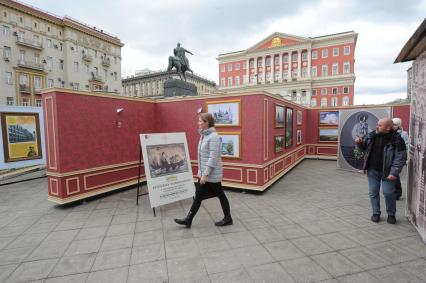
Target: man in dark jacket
x,y
385,155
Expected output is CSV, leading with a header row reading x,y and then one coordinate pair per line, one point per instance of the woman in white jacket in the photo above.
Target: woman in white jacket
x,y
210,171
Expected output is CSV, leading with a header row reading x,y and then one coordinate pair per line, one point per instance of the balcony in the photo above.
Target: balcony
x,y
106,62
30,43
30,65
24,88
96,77
87,58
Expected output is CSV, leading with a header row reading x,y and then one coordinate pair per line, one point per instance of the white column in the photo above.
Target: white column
x,y
299,63
290,53
247,71
309,65
264,69
281,67
255,71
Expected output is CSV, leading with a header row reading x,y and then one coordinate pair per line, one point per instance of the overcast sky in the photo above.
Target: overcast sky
x,y
151,29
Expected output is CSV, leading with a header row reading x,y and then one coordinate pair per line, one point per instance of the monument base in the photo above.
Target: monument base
x,y
176,87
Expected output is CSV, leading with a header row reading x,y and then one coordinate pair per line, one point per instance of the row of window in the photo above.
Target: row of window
x,y
333,102
25,101
334,91
22,20
285,75
324,54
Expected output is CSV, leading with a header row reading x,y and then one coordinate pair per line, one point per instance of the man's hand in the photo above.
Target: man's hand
x,y
391,177
204,179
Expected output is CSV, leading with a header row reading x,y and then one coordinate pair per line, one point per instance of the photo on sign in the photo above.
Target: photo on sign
x,y
279,143
329,118
279,116
328,135
225,113
299,136
230,145
289,128
299,117
167,159
21,136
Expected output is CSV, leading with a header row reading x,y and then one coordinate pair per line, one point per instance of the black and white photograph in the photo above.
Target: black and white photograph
x,y
167,159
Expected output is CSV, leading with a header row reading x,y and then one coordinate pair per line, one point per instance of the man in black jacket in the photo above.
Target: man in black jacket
x,y
385,155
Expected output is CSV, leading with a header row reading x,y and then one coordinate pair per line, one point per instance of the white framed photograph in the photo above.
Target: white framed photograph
x,y
230,145
225,113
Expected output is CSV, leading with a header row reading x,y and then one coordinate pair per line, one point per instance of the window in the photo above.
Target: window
x,y
49,62
48,29
324,72
230,81
61,64
22,56
346,68
294,74
49,83
37,58
237,80
21,36
75,66
285,75
346,50
304,56
6,31
76,86
346,90
334,101
276,60
251,63
268,61
25,102
335,70
294,57
38,102
324,102
222,68
8,78
313,103
324,53
315,54
285,58
345,100
334,90
303,98
37,84
229,67
259,63
277,76
244,65
314,71
48,43
252,78
237,66
10,101
7,51
314,92
323,91
23,79
335,51
222,82
35,24
304,72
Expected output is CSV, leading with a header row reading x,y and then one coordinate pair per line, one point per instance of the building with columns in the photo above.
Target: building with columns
x,y
41,50
313,71
147,83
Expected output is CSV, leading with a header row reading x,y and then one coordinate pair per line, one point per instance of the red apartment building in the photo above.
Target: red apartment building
x,y
312,71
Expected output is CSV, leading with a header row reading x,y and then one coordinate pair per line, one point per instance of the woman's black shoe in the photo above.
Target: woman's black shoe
x,y
187,221
224,222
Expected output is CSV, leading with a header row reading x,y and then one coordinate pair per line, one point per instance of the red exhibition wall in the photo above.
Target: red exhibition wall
x,y
92,140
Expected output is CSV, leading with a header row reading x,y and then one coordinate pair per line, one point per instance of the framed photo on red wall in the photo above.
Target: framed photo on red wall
x,y
226,113
279,116
279,143
21,136
230,144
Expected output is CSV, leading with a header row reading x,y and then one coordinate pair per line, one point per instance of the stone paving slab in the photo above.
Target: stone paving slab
x,y
313,225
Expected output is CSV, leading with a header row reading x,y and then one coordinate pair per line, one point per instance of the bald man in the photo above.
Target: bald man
x,y
385,155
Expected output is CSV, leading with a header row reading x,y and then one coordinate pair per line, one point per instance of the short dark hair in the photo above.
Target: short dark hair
x,y
207,117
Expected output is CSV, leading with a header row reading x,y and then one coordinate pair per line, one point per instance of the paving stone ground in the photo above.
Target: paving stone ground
x,y
311,226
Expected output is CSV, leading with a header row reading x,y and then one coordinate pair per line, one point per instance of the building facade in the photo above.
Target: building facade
x,y
147,83
40,50
317,71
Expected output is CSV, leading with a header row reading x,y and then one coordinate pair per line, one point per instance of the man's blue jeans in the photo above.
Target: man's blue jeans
x,y
388,187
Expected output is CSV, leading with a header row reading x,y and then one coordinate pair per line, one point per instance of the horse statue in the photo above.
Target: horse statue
x,y
179,62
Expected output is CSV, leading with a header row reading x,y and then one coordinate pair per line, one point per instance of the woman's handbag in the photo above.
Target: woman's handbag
x,y
206,191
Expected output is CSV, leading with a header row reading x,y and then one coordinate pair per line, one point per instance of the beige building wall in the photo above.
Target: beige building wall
x,y
39,50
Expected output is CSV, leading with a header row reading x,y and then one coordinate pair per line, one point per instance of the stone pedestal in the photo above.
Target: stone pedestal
x,y
176,87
